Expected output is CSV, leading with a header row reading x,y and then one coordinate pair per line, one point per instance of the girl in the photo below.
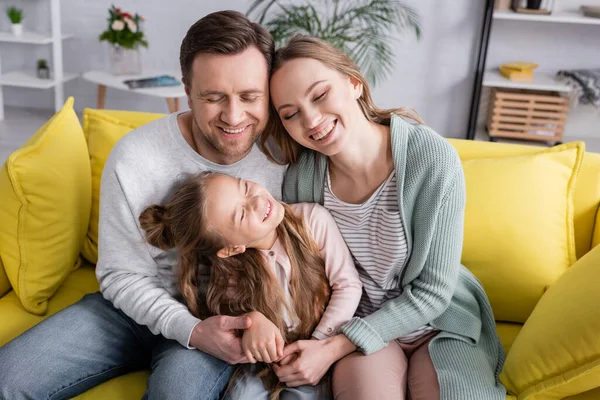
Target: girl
x,y
396,190
268,260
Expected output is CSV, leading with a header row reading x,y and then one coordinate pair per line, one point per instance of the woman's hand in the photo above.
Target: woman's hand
x,y
312,360
263,340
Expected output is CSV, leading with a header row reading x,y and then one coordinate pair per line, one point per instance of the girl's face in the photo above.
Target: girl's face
x,y
243,213
316,104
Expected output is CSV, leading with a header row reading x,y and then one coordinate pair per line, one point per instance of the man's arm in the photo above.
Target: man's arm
x,y
127,273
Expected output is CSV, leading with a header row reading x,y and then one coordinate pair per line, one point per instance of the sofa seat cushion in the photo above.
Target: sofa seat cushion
x,y
128,386
77,284
519,236
103,129
45,192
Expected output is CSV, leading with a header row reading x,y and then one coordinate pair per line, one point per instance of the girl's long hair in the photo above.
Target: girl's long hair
x,y
302,46
244,282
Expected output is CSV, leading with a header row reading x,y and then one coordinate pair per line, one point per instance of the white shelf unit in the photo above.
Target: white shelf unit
x,y
540,81
566,17
21,79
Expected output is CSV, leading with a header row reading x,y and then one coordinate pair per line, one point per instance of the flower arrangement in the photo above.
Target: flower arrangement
x,y
124,29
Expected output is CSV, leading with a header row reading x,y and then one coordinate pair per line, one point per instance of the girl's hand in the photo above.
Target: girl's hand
x,y
262,341
313,359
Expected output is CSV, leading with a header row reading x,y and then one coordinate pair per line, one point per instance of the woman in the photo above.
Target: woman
x,y
396,189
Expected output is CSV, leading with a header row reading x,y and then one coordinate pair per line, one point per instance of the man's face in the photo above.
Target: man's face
x,y
229,99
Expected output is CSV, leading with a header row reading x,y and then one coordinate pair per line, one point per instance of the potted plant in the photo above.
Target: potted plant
x,y
16,18
125,37
43,71
362,29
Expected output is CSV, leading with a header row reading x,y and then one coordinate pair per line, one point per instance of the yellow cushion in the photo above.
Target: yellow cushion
x,y
45,192
4,282
587,192
519,234
103,129
557,353
77,284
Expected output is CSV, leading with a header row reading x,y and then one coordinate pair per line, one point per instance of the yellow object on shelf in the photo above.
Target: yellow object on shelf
x,y
518,71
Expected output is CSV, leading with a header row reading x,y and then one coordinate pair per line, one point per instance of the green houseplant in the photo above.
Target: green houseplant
x,y
363,29
16,19
125,37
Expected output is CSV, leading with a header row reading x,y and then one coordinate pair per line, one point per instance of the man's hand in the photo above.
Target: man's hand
x,y
217,336
313,359
263,340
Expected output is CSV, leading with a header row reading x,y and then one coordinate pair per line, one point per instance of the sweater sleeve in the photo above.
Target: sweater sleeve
x,y
346,287
127,273
427,296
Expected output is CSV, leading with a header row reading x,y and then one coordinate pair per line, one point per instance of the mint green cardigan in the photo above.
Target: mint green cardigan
x,y
437,289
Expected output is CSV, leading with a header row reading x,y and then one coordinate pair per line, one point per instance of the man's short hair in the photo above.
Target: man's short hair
x,y
223,32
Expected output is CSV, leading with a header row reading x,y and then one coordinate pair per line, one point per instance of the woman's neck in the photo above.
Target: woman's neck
x,y
367,149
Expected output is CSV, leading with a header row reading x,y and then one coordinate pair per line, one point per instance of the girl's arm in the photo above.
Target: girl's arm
x,y
339,267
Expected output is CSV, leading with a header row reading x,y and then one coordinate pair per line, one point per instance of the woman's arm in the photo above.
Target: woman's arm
x,y
427,296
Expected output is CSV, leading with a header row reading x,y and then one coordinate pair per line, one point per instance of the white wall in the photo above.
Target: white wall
x,y
432,75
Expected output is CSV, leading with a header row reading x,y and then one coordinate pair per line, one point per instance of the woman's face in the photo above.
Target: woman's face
x,y
316,104
243,213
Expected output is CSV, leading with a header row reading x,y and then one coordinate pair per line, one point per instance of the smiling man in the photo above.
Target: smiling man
x,y
136,322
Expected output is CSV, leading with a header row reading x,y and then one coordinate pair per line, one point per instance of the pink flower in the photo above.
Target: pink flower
x,y
131,25
117,25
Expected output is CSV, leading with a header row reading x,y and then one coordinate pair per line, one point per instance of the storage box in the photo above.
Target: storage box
x,y
527,114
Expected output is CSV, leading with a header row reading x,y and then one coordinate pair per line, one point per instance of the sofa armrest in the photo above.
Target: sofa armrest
x,y
4,282
557,353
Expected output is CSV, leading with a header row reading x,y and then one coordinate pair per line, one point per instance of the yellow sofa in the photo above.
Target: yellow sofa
x,y
102,128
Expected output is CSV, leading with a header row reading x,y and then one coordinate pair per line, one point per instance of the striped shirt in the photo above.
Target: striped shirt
x,y
375,236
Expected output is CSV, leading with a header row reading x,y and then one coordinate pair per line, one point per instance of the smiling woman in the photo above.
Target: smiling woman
x,y
396,190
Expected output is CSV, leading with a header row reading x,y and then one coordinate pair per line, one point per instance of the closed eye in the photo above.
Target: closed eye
x,y
321,96
287,117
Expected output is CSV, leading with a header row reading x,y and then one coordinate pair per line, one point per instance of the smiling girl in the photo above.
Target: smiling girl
x,y
286,267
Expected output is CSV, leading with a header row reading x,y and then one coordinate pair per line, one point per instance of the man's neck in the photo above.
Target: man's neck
x,y
198,143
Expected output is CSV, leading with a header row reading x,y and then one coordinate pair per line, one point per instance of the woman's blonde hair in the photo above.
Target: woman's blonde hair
x,y
302,46
182,224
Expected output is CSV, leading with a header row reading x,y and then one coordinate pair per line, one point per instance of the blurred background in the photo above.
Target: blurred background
x,y
434,53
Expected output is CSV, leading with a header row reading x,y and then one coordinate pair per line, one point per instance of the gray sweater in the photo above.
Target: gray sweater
x,y
141,170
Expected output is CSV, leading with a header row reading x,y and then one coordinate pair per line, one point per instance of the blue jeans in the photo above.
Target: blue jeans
x,y
91,342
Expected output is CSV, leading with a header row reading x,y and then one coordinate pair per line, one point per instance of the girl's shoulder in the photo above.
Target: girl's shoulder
x,y
316,218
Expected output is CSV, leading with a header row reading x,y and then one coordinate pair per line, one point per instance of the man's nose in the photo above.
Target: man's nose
x,y
233,114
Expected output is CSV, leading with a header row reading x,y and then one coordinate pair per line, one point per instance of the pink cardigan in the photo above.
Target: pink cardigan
x,y
339,267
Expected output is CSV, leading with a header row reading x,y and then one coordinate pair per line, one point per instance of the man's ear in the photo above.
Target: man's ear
x,y
229,251
357,87
187,92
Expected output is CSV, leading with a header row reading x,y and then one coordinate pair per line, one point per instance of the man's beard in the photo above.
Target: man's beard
x,y
228,151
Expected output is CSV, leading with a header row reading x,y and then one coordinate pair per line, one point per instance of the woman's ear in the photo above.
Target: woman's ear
x,y
230,251
357,87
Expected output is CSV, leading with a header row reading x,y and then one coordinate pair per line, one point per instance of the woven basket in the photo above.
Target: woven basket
x,y
527,115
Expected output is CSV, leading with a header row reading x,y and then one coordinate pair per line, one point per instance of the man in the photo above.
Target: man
x,y
136,322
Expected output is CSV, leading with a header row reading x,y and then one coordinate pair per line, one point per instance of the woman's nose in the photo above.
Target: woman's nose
x,y
312,118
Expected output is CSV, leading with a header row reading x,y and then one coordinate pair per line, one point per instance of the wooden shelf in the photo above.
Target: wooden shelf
x,y
566,17
30,37
21,79
541,81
